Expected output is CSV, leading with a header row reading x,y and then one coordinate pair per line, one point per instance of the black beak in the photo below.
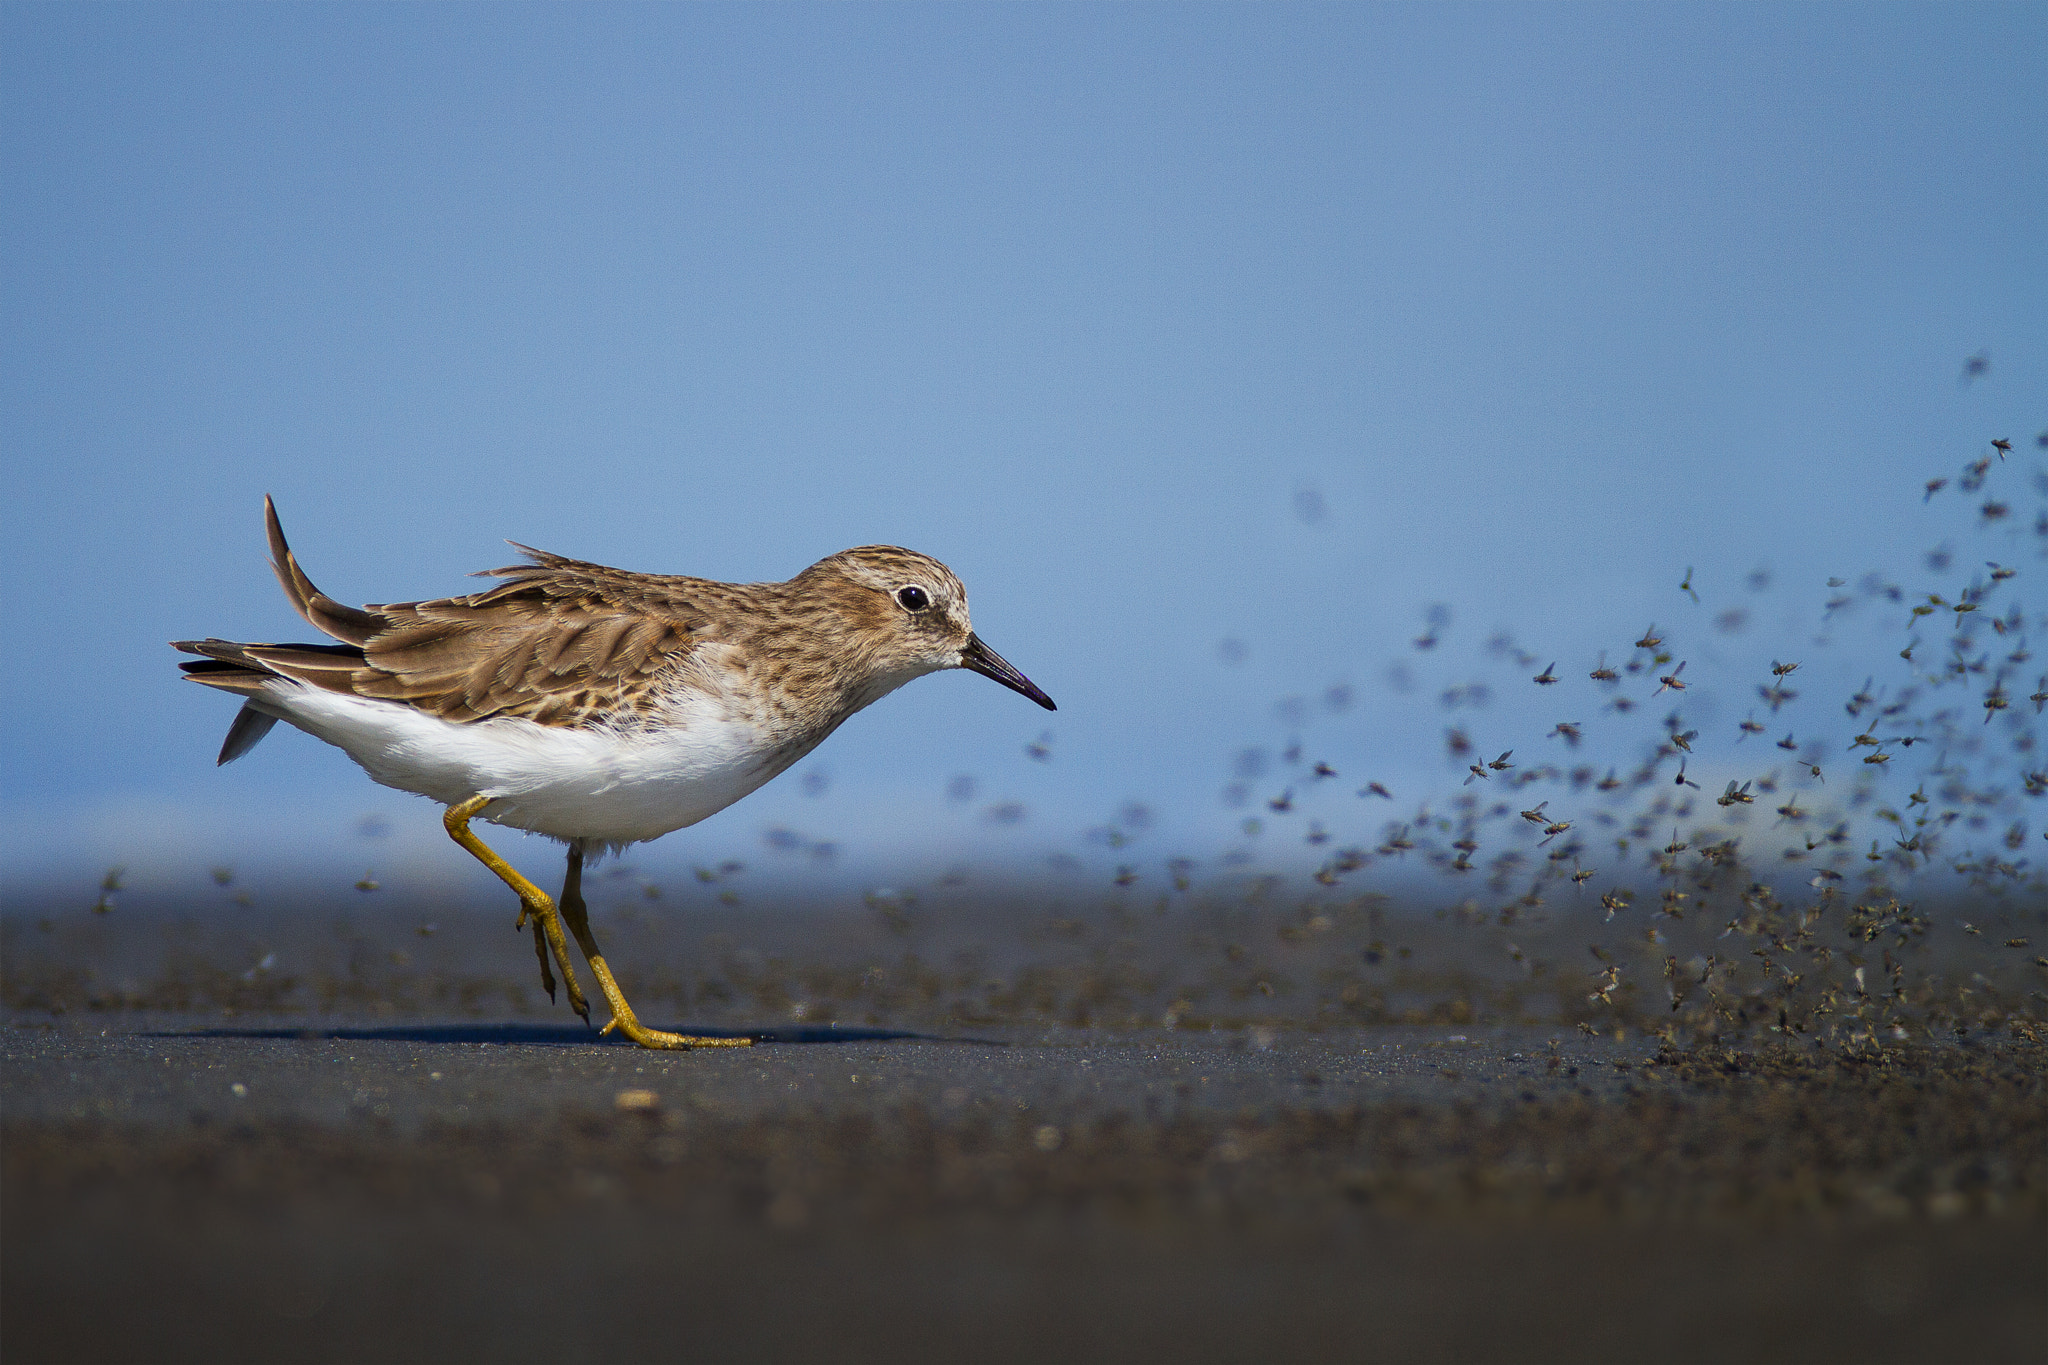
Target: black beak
x,y
990,664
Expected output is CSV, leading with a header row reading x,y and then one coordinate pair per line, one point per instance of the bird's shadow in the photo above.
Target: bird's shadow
x,y
557,1035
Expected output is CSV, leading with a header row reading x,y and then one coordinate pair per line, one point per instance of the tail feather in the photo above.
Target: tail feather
x,y
246,669
223,666
220,658
249,669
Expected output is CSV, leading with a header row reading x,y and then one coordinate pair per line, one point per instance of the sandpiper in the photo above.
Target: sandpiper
x,y
597,706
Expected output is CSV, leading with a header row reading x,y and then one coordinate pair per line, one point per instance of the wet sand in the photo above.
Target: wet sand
x,y
456,1189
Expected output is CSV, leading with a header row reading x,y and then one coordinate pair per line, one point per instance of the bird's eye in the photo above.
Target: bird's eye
x,y
913,598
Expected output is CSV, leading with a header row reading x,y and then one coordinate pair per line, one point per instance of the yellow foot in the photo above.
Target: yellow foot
x,y
624,1021
657,1038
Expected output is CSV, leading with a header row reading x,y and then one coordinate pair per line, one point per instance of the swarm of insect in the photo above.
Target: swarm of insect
x,y
1813,883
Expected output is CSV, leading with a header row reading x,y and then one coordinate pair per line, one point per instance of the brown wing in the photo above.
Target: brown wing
x,y
560,642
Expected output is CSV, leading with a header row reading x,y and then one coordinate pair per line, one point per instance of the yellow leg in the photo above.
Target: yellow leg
x,y
622,1013
547,925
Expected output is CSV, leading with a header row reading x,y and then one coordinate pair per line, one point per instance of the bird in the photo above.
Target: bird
x,y
597,706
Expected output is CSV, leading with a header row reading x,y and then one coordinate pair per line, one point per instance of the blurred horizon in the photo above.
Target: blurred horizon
x,y
1223,352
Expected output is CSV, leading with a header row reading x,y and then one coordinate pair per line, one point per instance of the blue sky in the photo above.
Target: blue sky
x,y
1165,326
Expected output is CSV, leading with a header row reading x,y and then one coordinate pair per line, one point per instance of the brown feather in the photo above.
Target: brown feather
x,y
320,610
227,678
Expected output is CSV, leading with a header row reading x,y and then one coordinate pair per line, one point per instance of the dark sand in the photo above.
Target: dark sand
x,y
396,1180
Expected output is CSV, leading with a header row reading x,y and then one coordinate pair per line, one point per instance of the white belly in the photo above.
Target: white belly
x,y
607,786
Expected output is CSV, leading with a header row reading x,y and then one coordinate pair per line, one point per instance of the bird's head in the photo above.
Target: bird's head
x,y
905,614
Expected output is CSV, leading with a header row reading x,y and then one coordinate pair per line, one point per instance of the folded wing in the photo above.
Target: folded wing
x,y
560,642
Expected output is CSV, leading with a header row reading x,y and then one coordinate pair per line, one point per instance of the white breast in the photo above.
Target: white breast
x,y
608,786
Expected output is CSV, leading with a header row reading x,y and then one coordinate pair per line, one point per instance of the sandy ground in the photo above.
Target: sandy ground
x,y
354,1129
179,1188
